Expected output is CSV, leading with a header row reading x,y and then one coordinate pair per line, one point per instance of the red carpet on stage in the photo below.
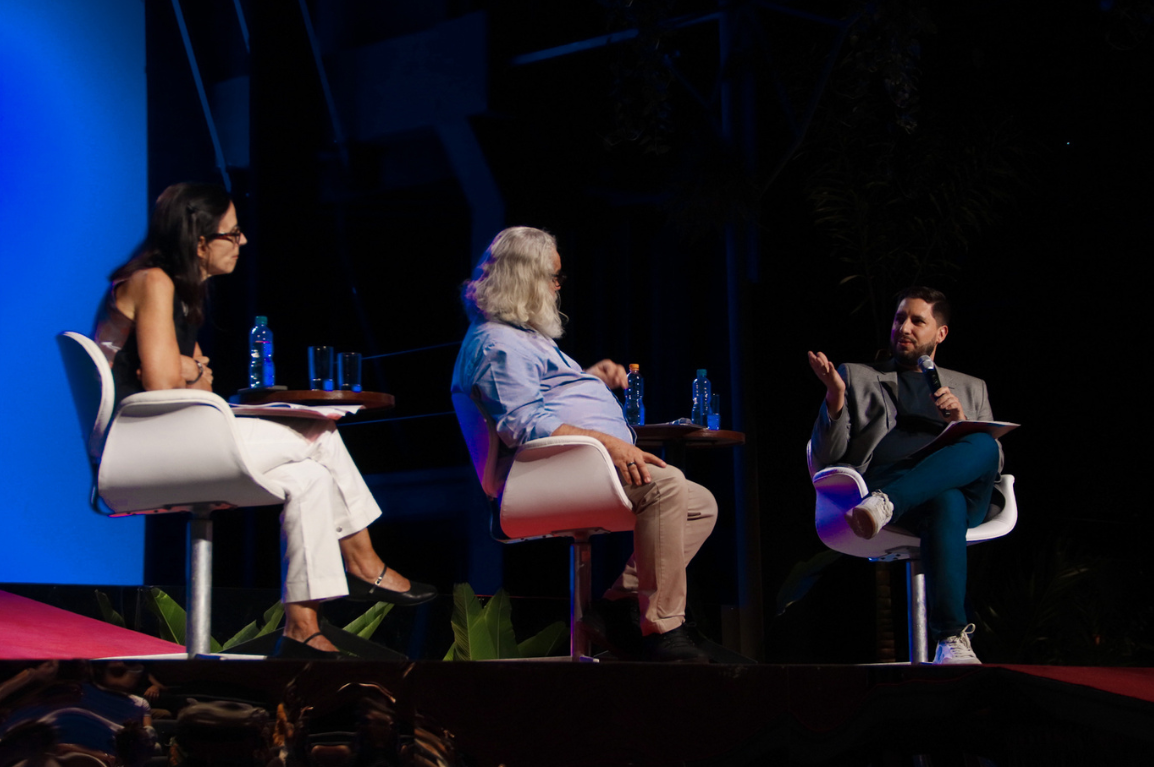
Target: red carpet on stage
x,y
30,630
1131,682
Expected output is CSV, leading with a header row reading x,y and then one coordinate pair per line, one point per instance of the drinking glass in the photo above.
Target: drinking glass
x,y
321,368
713,420
349,371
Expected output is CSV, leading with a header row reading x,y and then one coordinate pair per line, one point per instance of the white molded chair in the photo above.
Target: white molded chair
x,y
163,451
840,488
553,487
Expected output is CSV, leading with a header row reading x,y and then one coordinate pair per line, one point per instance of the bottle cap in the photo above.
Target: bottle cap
x,y
261,320
634,367
701,372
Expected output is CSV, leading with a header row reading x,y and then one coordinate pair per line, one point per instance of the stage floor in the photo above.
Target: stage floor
x,y
548,712
556,713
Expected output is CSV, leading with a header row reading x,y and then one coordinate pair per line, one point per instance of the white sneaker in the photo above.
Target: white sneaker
x,y
871,515
956,650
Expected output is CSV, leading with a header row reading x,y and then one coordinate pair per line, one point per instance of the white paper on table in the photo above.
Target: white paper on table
x,y
293,410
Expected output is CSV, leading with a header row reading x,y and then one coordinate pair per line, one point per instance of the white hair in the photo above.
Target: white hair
x,y
515,282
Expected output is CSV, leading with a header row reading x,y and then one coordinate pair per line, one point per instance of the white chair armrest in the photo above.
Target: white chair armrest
x,y
182,438
561,484
165,397
569,439
840,488
849,477
1004,521
552,442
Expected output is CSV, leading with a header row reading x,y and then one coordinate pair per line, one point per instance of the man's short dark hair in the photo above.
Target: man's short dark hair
x,y
939,304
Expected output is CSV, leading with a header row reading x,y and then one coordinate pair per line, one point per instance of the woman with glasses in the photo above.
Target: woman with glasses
x,y
148,332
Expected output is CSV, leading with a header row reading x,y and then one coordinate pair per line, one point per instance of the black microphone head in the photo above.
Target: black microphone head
x,y
930,372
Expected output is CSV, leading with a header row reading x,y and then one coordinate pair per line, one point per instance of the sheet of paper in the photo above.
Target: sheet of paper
x,y
955,430
291,410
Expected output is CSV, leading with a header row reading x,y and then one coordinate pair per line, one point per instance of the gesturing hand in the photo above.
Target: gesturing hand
x,y
826,372
611,373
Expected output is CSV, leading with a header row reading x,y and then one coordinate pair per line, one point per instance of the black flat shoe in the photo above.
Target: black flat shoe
x,y
363,591
287,647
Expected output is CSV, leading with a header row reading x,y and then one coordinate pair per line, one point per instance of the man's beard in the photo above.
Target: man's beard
x,y
910,358
549,321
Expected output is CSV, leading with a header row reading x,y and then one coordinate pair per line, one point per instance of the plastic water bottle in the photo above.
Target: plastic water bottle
x,y
261,371
634,394
702,392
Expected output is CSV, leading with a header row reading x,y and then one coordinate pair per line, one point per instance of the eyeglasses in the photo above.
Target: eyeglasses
x,y
559,278
234,235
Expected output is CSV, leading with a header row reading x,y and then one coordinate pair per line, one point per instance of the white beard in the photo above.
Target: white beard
x,y
548,323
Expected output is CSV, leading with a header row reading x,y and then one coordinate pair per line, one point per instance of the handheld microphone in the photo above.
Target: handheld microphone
x,y
930,371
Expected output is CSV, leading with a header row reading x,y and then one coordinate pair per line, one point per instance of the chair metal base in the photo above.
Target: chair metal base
x,y
580,594
198,626
918,625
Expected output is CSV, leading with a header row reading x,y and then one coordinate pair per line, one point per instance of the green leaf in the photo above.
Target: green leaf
x,y
172,618
272,618
268,623
251,631
802,577
366,624
170,615
551,640
498,619
472,638
106,611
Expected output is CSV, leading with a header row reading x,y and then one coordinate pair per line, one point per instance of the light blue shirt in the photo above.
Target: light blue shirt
x,y
529,387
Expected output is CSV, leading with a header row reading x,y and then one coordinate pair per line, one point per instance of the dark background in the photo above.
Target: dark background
x,y
731,185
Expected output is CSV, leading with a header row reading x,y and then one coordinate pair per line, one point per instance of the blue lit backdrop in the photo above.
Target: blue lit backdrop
x,y
73,204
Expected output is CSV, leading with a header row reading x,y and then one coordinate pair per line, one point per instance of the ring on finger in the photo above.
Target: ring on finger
x,y
631,463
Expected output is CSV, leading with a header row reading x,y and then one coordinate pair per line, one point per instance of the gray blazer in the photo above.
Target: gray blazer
x,y
871,411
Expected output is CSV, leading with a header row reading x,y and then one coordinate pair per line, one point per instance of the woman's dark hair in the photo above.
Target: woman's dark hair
x,y
183,214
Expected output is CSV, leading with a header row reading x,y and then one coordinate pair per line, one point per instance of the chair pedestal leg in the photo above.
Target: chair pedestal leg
x,y
916,594
198,627
580,588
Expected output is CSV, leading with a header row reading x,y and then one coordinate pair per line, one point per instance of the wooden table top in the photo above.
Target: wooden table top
x,y
370,400
689,435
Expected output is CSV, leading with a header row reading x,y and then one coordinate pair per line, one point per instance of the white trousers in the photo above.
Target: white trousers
x,y
325,499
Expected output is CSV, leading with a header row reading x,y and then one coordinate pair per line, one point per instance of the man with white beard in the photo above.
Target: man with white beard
x,y
510,365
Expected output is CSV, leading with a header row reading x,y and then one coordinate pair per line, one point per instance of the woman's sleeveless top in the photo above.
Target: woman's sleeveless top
x,y
116,336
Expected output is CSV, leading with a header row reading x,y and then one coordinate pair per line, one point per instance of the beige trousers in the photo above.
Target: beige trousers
x,y
674,517
325,499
